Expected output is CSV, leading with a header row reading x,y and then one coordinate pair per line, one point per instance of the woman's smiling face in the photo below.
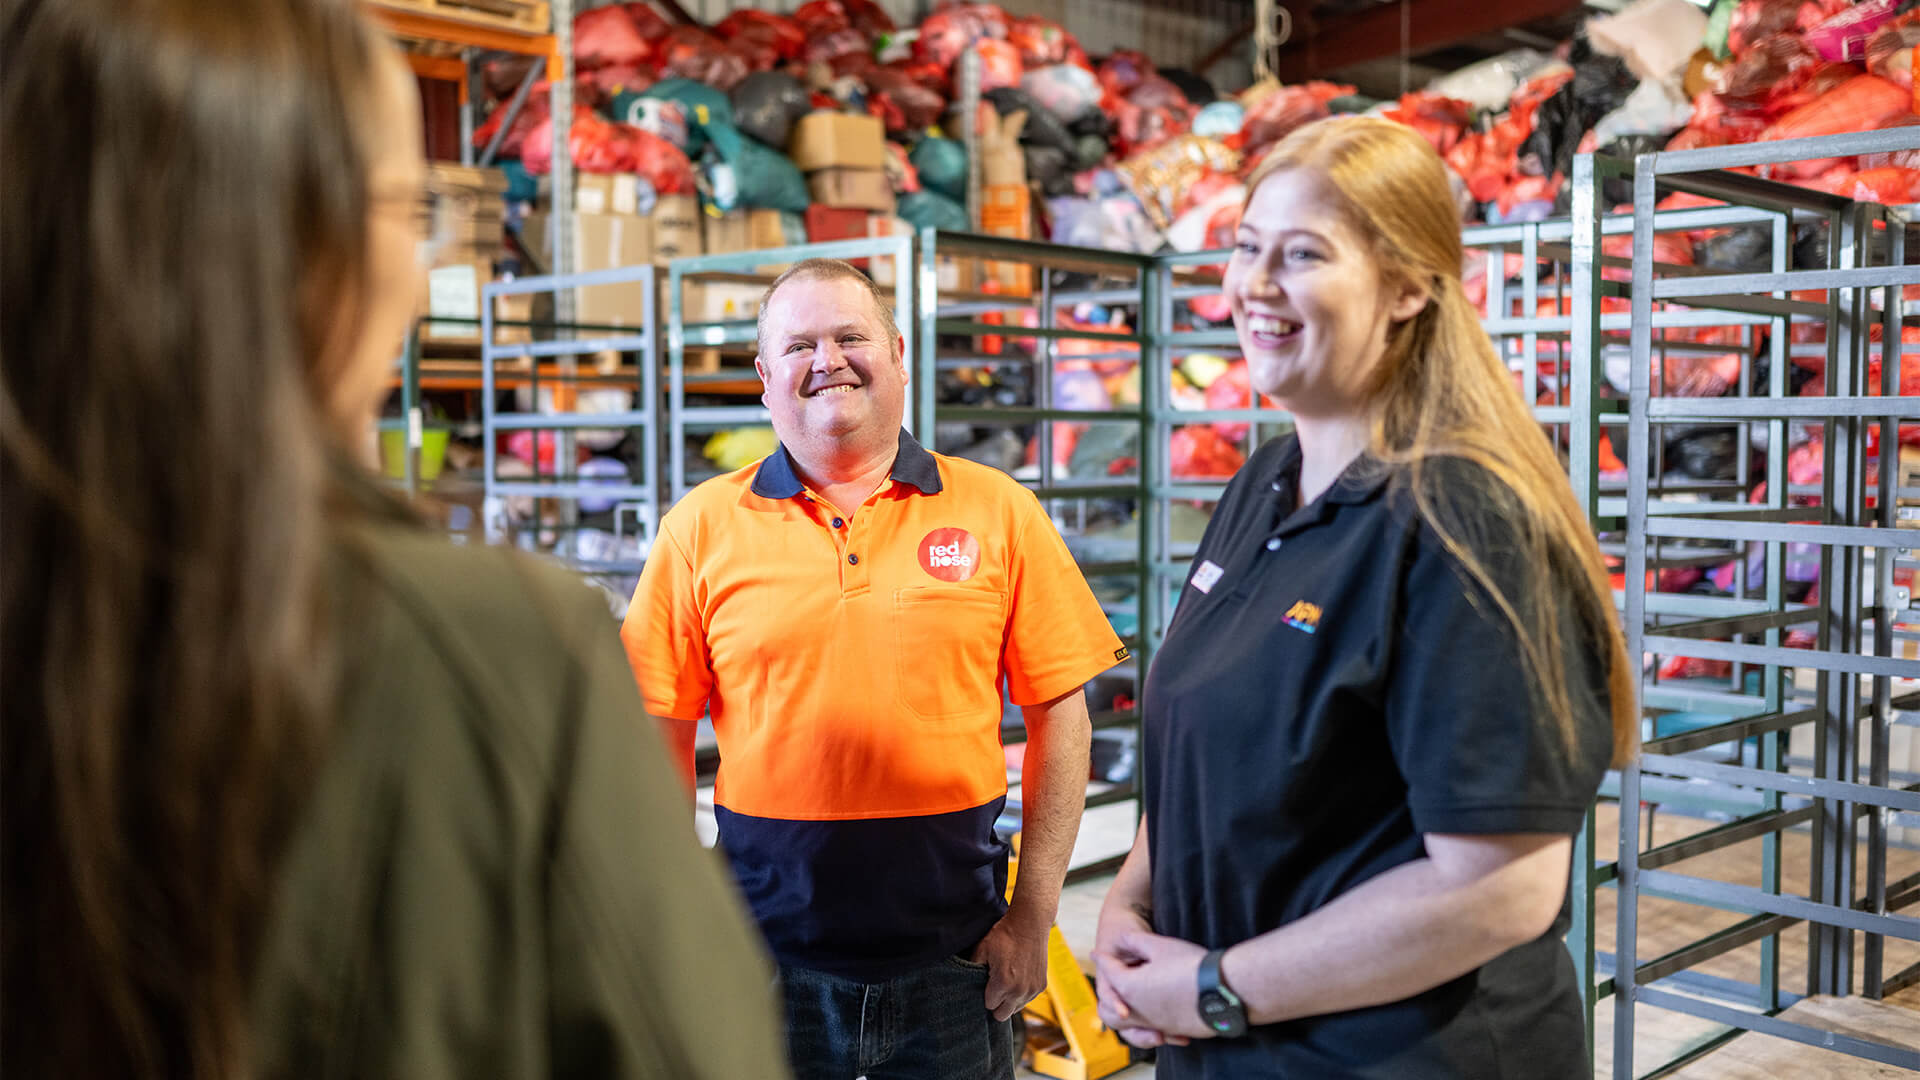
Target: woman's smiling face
x,y
1310,300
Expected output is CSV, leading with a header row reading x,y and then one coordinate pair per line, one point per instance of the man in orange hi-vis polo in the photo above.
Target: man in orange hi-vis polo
x,y
849,608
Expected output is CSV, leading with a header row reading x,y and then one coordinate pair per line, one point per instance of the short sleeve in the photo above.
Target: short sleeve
x,y
665,636
1057,637
1478,754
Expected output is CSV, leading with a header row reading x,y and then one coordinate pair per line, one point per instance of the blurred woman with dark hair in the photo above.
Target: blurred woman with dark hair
x,y
290,786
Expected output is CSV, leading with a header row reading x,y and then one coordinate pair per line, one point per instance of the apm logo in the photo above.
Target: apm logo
x,y
1304,616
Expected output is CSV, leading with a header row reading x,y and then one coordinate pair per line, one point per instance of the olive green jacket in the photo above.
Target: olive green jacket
x,y
495,874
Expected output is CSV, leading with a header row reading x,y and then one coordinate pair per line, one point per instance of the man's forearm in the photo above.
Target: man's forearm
x,y
1053,793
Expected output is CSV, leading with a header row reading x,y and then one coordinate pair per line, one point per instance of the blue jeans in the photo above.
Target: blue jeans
x,y
928,1024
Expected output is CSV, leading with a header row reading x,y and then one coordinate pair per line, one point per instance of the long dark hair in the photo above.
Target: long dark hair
x,y
185,204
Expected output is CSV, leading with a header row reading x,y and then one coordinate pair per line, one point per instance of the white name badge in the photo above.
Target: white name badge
x,y
1207,575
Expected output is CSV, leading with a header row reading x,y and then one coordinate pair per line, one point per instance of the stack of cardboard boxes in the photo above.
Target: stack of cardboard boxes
x,y
845,159
473,208
608,233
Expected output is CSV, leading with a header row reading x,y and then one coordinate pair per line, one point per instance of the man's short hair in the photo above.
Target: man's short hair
x,y
827,270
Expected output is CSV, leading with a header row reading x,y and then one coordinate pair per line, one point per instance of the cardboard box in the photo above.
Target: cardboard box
x,y
880,269
606,193
828,140
752,230
602,242
859,189
453,292
720,301
677,228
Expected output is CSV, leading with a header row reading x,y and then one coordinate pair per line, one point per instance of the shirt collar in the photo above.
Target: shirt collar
x,y
1358,483
912,465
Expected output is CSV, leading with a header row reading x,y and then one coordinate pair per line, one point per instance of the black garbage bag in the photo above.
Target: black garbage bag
x,y
766,105
1598,86
1199,91
1043,128
1618,190
1810,246
1091,122
1744,249
1089,151
1704,453
1351,103
1051,167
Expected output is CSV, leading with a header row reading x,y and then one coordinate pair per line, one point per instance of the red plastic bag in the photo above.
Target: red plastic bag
x,y
1825,79
1757,19
946,33
1439,119
868,17
819,17
532,114
1276,115
1042,42
1773,67
1123,70
1862,103
906,105
834,45
1000,65
1197,451
1154,92
780,33
652,25
1233,389
1843,37
1890,50
1143,129
607,36
1891,185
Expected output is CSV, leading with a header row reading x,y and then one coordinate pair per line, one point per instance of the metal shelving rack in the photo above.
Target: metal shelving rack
x,y
638,497
1122,280
1751,779
750,267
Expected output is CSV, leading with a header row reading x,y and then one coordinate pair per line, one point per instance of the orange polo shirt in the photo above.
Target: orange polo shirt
x,y
854,669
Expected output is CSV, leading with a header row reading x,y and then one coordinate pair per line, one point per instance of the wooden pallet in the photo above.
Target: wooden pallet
x,y
523,16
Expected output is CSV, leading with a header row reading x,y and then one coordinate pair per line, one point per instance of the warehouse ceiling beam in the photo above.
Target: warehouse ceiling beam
x,y
1325,45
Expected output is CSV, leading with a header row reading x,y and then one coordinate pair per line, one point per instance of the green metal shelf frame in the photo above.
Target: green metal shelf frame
x,y
1835,799
960,318
641,494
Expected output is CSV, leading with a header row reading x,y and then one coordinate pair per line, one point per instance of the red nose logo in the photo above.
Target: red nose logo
x,y
950,554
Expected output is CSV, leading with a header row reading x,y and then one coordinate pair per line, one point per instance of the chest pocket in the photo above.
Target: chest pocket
x,y
947,651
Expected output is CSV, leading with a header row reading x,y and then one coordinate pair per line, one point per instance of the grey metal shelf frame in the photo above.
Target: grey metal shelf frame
x,y
1758,787
1122,280
639,496
681,335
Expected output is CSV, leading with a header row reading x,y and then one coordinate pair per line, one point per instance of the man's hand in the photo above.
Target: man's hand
x,y
1149,986
1015,953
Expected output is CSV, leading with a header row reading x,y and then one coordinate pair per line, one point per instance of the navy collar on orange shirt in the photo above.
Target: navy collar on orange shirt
x,y
912,464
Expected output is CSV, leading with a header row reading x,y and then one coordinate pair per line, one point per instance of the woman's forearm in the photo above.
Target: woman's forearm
x,y
1406,931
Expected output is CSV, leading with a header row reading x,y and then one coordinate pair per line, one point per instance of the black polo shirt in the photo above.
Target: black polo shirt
x,y
1331,688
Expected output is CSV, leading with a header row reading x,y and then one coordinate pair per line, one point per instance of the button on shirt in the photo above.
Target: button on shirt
x,y
854,668
1330,689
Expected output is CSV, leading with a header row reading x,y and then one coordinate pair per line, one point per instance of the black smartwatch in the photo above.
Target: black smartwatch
x,y
1220,1007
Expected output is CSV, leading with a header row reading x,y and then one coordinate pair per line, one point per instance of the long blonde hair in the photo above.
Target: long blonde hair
x,y
1442,391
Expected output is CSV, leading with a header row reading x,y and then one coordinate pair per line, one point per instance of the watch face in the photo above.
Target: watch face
x,y
1220,1014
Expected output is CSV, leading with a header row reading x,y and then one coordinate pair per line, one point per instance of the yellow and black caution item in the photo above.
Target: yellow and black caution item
x,y
1060,1031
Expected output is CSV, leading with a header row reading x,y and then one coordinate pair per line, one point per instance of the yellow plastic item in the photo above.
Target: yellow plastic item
x,y
1065,1037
